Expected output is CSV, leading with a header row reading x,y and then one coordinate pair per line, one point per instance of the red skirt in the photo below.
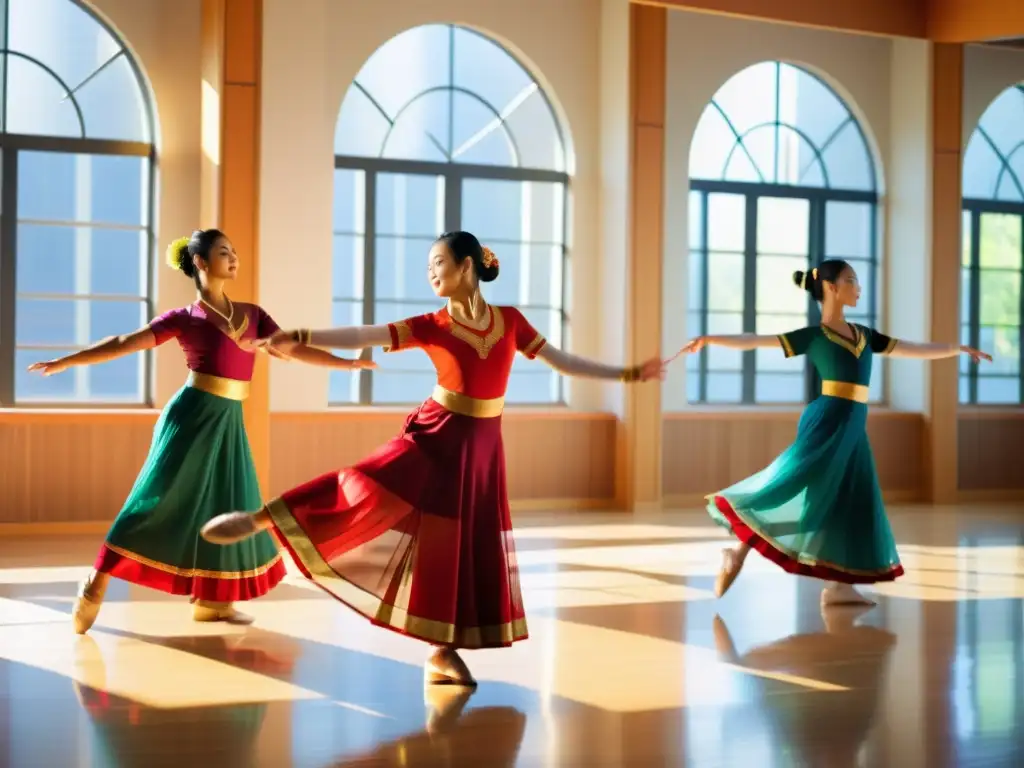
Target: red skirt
x,y
418,536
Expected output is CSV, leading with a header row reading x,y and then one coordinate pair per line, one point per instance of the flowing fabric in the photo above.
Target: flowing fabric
x,y
417,537
817,509
199,466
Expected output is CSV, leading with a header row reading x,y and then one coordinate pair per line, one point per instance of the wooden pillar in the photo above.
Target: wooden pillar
x,y
232,45
640,481
947,120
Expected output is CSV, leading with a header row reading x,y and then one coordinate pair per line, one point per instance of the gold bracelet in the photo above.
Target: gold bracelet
x,y
302,336
630,375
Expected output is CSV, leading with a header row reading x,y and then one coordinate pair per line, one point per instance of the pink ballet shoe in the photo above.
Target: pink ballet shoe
x,y
230,528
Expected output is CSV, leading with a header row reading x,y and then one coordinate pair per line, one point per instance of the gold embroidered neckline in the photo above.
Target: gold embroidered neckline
x,y
483,341
855,347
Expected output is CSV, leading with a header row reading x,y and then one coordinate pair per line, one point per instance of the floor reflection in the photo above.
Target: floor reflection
x,y
631,662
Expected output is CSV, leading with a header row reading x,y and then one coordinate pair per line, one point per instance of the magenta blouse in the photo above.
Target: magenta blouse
x,y
207,348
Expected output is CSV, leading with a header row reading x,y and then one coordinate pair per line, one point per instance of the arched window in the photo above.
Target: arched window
x,y
993,252
76,195
443,129
780,178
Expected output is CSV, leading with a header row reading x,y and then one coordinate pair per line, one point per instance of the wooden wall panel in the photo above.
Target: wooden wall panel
x,y
705,452
990,450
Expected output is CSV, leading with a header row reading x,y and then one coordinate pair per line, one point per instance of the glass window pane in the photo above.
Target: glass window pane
x,y
692,386
59,186
408,64
410,204
400,268
535,129
348,265
695,280
727,222
33,388
362,127
779,387
1000,297
965,339
1000,241
392,310
725,387
721,358
535,386
998,391
775,289
876,385
712,146
36,103
848,230
498,211
486,69
965,389
480,136
726,280
806,101
420,130
782,225
402,388
998,133
343,388
349,213
848,162
1004,346
694,327
965,295
531,275
695,220
981,169
113,105
773,360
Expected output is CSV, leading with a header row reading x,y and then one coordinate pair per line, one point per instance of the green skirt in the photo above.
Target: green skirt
x,y
199,466
817,509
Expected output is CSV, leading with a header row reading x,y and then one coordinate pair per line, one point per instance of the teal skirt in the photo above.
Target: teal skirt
x,y
199,466
817,509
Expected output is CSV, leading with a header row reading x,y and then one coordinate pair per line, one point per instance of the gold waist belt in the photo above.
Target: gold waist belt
x,y
232,389
844,389
464,405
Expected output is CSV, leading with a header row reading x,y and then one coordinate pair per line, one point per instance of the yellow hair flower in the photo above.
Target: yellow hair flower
x,y
174,249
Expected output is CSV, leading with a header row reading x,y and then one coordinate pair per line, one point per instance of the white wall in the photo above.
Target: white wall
x,y
703,52
312,51
164,36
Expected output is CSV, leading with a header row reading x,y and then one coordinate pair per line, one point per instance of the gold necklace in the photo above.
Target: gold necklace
x,y
233,332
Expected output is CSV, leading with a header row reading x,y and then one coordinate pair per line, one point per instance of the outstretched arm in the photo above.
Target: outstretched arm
x,y
352,337
741,341
574,365
322,358
915,351
109,349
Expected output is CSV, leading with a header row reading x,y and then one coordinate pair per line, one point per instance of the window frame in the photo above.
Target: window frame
x,y
976,208
818,199
11,144
454,174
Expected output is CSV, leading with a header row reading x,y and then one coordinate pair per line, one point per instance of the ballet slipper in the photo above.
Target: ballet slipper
x,y
446,667
732,564
230,528
87,605
208,610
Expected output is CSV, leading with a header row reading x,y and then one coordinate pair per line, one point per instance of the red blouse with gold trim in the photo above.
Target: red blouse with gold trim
x,y
471,362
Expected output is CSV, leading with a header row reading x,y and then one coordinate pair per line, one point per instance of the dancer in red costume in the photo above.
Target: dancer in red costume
x,y
418,536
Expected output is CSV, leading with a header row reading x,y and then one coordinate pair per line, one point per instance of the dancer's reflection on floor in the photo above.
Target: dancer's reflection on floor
x,y
127,733
824,728
451,737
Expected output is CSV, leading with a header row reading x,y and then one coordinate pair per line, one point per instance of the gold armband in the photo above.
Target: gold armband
x,y
302,336
630,375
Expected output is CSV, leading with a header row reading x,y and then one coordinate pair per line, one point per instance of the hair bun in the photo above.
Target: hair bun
x,y
490,266
798,278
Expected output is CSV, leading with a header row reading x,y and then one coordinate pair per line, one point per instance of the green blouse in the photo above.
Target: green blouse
x,y
837,357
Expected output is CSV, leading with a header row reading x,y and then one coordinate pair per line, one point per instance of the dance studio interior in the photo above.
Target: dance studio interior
x,y
647,173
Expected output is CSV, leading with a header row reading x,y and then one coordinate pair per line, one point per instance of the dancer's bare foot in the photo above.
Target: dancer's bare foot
x,y
446,667
732,564
233,527
208,610
837,593
90,598
444,706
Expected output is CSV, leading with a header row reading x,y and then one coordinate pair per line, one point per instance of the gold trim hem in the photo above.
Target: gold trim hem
x,y
797,557
230,389
193,572
375,609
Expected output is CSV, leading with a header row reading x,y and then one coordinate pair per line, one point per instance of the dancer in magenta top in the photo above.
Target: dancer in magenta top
x,y
199,464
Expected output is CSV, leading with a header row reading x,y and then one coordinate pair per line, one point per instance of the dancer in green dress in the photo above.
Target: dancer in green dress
x,y
199,464
817,509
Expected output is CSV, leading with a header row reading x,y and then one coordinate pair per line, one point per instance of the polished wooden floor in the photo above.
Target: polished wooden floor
x,y
631,662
